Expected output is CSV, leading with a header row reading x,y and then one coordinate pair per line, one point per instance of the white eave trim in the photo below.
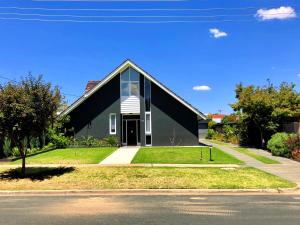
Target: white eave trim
x,y
118,70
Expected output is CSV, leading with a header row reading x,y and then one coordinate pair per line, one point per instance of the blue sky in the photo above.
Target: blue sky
x,y
180,55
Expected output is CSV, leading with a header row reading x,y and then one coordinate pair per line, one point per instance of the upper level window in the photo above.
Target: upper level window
x,y
147,95
130,82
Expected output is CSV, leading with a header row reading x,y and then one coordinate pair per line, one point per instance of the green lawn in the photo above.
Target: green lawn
x,y
138,178
258,157
183,155
70,156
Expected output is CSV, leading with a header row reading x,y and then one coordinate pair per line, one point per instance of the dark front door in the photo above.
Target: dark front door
x,y
131,132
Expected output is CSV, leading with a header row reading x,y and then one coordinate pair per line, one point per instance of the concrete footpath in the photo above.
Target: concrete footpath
x,y
287,169
122,156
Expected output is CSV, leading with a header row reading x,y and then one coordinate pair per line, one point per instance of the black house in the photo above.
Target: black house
x,y
138,109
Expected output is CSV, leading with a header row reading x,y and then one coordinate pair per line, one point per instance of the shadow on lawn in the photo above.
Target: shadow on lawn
x,y
35,173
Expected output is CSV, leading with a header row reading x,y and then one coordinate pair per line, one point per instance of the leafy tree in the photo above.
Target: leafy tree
x,y
266,107
27,109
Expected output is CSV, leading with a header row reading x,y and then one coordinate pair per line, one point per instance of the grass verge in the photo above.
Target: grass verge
x,y
183,155
252,154
64,178
69,156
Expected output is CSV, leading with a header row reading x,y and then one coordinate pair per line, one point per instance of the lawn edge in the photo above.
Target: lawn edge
x,y
151,192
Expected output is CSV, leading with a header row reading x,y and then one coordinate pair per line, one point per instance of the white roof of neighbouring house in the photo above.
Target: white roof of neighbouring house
x,y
119,69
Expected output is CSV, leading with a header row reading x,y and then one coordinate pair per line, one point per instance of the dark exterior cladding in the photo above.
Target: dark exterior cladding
x,y
91,118
172,122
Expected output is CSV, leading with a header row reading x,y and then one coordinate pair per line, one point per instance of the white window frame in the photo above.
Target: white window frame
x,y
148,132
110,120
129,82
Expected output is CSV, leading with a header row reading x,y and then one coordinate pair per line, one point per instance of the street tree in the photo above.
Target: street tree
x,y
27,109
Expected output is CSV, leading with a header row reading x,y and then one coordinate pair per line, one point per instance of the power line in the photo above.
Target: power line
x,y
124,9
132,16
124,21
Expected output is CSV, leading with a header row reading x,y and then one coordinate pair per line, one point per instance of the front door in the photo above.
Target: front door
x,y
131,132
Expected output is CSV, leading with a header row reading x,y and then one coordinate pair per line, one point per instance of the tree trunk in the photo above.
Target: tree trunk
x,y
262,141
23,170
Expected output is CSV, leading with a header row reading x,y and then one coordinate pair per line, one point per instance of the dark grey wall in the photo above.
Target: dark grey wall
x,y
92,116
171,119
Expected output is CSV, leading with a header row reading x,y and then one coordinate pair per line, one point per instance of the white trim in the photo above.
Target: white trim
x,y
148,132
120,69
110,115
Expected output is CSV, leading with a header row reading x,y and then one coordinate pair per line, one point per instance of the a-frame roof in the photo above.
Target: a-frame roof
x,y
119,69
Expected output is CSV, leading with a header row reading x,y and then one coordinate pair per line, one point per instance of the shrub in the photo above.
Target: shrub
x,y
111,140
234,139
59,140
277,144
293,144
7,147
15,152
34,143
219,136
210,134
48,146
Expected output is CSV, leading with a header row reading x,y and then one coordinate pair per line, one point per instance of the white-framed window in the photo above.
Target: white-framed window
x,y
148,122
130,83
112,123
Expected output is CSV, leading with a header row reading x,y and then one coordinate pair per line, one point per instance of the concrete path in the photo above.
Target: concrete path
x,y
287,169
121,156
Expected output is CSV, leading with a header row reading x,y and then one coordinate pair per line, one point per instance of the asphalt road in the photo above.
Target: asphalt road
x,y
145,209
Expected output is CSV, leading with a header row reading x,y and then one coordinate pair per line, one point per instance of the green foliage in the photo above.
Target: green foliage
x,y
90,141
211,124
277,144
34,143
219,137
111,140
7,147
27,109
293,142
48,146
15,152
59,140
232,118
266,108
210,134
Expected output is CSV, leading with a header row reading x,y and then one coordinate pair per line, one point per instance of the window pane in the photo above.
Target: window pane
x,y
125,75
147,95
125,89
148,139
113,123
148,125
134,76
134,89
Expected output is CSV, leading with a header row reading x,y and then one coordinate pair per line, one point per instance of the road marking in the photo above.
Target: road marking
x,y
197,198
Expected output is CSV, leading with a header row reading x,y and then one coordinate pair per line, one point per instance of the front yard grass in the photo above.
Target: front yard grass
x,y
183,155
69,156
66,178
258,157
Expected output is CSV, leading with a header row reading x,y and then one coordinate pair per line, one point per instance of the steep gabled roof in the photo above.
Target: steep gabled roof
x,y
120,69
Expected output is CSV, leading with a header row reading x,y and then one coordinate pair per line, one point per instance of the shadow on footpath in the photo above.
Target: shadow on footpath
x,y
35,173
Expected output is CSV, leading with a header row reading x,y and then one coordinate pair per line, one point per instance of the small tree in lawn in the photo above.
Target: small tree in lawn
x,y
27,109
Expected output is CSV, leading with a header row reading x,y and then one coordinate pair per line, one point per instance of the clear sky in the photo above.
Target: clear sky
x,y
217,48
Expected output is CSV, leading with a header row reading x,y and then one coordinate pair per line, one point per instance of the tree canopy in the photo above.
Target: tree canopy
x,y
27,109
267,107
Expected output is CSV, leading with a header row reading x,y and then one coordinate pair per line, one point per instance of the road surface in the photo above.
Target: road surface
x,y
151,209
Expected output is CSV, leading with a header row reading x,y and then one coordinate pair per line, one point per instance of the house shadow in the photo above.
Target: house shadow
x,y
35,173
